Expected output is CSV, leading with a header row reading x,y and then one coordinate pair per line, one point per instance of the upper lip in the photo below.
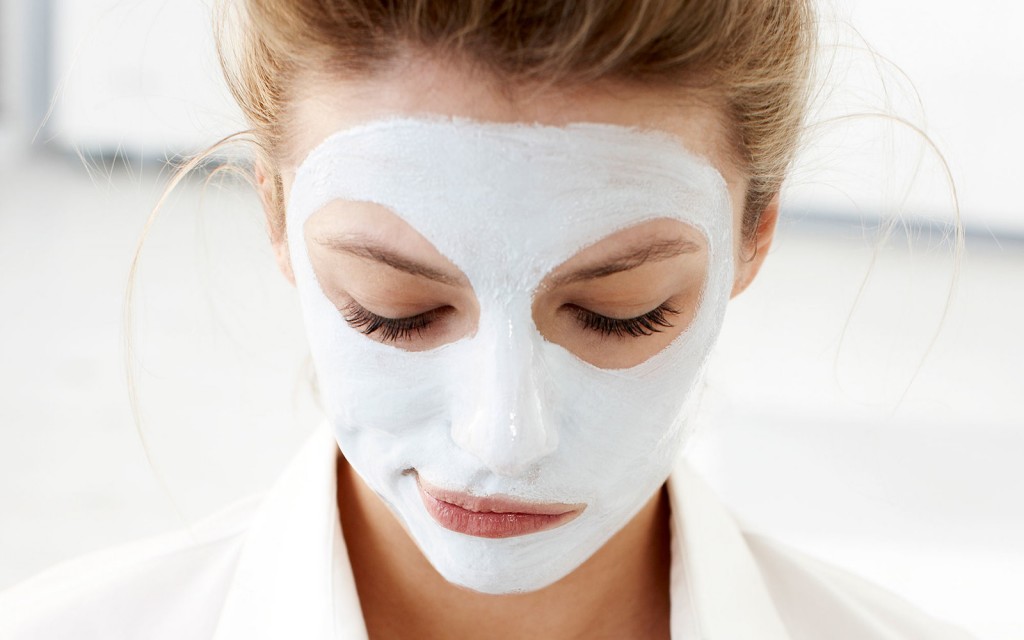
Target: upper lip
x,y
496,503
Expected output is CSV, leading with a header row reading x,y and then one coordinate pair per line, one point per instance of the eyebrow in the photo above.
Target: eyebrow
x,y
630,259
363,247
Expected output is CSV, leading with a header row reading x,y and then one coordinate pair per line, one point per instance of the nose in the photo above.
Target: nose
x,y
503,421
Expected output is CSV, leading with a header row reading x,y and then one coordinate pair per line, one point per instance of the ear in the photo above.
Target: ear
x,y
270,197
754,251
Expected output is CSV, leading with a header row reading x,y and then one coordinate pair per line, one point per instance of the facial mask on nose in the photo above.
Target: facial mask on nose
x,y
504,411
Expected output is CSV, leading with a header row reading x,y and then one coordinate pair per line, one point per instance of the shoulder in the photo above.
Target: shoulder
x,y
818,600
166,586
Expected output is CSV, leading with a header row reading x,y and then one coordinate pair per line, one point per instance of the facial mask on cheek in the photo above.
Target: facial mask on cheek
x,y
504,412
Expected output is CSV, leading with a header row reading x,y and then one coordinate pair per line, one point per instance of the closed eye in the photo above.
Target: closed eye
x,y
390,329
409,328
643,325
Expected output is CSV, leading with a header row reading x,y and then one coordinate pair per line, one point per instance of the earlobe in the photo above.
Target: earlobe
x,y
747,269
267,188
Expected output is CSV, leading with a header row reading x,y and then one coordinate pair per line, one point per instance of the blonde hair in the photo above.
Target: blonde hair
x,y
754,56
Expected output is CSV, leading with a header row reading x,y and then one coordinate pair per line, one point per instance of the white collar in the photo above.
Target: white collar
x,y
294,579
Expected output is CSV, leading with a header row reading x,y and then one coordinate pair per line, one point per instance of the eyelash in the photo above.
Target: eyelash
x,y
398,329
391,329
648,324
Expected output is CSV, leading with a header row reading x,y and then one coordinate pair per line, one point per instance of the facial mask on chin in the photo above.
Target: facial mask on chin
x,y
504,411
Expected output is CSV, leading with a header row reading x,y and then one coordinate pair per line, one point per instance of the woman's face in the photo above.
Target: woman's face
x,y
509,297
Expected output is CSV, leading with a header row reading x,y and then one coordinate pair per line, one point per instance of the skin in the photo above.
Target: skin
x,y
622,590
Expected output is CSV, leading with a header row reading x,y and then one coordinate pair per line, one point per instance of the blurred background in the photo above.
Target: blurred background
x,y
865,404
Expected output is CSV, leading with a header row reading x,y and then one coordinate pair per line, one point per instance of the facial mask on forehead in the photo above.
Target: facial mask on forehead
x,y
503,412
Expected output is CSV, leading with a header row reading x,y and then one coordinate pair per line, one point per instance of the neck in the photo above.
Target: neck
x,y
622,591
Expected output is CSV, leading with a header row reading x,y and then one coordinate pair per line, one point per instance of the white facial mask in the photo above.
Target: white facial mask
x,y
504,411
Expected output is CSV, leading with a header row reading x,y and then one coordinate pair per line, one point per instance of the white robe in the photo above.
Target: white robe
x,y
276,566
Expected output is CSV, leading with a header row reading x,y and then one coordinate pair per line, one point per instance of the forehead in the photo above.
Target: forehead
x,y
508,202
424,86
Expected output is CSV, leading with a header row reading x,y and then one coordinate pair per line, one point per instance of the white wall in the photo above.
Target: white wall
x,y
140,76
14,18
967,63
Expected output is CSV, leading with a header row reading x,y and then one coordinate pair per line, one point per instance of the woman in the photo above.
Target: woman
x,y
514,229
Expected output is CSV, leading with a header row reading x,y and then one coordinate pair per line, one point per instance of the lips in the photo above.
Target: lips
x,y
492,516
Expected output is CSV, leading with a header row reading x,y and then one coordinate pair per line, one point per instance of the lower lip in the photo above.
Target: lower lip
x,y
490,524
